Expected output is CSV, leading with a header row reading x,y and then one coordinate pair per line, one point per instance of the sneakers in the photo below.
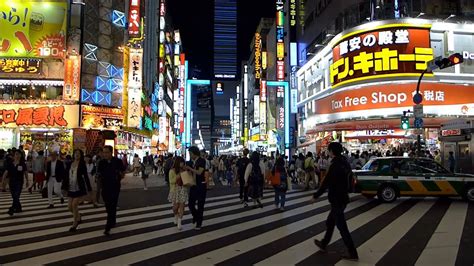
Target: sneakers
x,y
320,245
282,209
62,200
176,219
107,231
246,204
51,206
197,228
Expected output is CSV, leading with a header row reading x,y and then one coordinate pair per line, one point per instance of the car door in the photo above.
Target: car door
x,y
410,178
437,179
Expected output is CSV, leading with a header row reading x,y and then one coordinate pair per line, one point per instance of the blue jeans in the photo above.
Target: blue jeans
x,y
280,196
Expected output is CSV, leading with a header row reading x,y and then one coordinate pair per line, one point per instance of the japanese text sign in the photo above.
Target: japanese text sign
x,y
134,18
135,71
33,28
391,51
258,56
15,115
72,78
20,65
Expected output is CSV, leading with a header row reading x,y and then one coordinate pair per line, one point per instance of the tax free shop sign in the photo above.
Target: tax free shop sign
x,y
393,96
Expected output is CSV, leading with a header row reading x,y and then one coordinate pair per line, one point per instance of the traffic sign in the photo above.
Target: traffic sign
x,y
418,122
418,110
417,98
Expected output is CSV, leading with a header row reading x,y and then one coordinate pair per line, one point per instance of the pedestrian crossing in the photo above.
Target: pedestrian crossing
x,y
410,231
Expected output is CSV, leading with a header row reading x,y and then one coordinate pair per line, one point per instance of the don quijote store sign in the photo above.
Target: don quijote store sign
x,y
392,50
372,77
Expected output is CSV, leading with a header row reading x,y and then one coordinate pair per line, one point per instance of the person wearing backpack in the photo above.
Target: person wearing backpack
x,y
254,180
338,182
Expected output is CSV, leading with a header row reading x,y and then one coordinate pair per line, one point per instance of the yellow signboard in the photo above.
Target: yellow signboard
x,y
33,28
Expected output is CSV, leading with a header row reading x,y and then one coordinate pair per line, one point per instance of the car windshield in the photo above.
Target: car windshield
x,y
371,165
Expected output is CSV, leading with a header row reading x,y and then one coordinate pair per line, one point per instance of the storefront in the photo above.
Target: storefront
x,y
38,127
357,87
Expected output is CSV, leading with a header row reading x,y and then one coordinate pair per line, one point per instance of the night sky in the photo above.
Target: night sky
x,y
194,19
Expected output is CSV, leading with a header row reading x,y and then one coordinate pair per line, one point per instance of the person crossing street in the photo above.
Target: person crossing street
x,y
337,182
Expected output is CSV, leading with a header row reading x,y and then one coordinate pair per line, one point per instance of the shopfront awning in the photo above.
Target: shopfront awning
x,y
28,82
429,122
306,144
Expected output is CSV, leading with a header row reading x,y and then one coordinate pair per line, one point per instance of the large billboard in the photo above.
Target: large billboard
x,y
394,50
37,115
33,29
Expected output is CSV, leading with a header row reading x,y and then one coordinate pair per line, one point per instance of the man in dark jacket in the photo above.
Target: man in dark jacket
x,y
110,171
336,183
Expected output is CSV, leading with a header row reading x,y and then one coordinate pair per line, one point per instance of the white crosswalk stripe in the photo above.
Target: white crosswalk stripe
x,y
231,234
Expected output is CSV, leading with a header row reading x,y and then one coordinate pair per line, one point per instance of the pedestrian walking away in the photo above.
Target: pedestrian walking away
x,y
197,193
280,183
96,186
254,179
38,169
178,194
242,164
17,174
55,172
337,182
110,171
309,170
77,184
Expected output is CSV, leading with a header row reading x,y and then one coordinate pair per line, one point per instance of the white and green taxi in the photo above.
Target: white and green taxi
x,y
392,177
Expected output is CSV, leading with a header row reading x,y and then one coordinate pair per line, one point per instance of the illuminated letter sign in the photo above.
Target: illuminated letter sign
x,y
20,66
72,78
135,68
263,90
388,52
134,18
258,55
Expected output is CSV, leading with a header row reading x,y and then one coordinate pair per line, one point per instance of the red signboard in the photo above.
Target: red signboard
x,y
451,132
134,18
72,78
280,70
376,53
263,91
34,116
393,96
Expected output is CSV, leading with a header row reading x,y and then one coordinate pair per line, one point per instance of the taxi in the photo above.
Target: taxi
x,y
391,177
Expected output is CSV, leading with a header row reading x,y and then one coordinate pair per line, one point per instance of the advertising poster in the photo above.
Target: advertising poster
x,y
72,78
33,29
135,68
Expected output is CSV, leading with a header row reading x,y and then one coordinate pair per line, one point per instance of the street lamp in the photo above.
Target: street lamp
x,y
450,16
421,14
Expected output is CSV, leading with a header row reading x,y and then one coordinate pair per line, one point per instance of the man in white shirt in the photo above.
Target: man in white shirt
x,y
55,172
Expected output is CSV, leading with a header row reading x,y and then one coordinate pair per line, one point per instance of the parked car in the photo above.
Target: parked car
x,y
392,177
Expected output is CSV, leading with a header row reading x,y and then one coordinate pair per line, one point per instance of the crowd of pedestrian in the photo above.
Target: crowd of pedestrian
x,y
86,178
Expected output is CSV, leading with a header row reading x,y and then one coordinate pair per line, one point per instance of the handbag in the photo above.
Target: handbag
x,y
275,179
188,179
44,192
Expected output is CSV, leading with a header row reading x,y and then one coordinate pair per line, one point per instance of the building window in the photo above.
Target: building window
x,y
30,92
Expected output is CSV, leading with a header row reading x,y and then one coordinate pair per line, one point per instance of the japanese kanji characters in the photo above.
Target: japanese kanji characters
x,y
31,116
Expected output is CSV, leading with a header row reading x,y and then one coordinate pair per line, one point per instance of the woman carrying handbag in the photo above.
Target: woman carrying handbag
x,y
78,186
179,193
